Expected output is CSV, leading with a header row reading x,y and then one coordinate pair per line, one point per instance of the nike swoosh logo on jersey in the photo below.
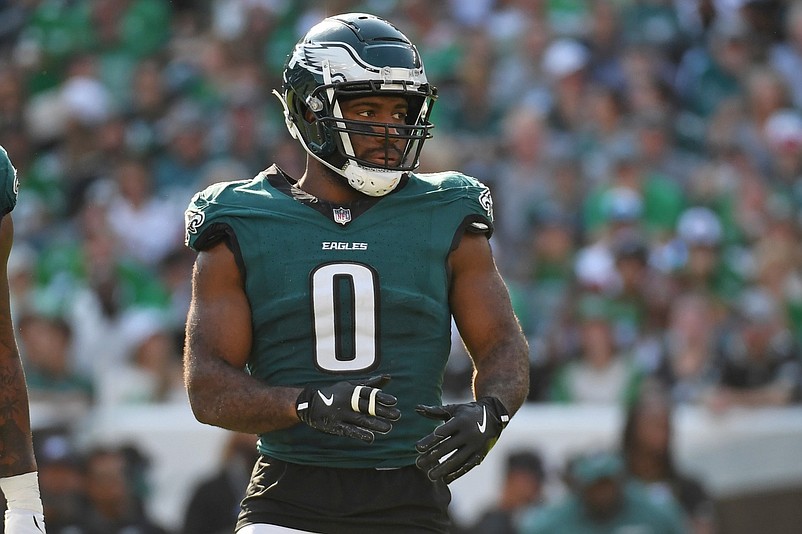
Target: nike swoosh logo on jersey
x,y
326,400
483,425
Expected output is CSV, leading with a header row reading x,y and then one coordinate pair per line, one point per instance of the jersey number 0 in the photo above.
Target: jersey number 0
x,y
345,316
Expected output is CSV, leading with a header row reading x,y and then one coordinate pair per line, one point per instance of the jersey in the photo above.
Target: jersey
x,y
9,183
346,292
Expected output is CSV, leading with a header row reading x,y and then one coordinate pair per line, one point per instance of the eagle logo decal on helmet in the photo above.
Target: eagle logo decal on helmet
x,y
338,61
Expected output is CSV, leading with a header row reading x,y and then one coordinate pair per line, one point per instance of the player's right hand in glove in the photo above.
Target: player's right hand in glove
x,y
354,409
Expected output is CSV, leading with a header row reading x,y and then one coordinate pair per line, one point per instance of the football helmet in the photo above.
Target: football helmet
x,y
348,56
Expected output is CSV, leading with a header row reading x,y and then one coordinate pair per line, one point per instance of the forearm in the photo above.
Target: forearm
x,y
16,453
503,372
224,396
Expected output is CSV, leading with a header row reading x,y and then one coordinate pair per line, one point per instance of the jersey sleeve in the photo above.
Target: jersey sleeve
x,y
205,218
479,205
9,183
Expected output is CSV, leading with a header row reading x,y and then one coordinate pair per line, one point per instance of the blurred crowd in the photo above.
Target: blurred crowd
x,y
645,159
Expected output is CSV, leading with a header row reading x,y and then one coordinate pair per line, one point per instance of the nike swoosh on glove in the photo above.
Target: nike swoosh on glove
x,y
354,409
461,443
24,522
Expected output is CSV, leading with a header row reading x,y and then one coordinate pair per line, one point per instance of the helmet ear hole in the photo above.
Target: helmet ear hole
x,y
299,109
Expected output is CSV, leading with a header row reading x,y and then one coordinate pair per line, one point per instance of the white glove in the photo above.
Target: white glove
x,y
24,514
24,522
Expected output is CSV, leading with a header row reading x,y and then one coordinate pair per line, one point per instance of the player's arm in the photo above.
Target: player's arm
x,y
482,311
18,477
221,393
492,335
218,343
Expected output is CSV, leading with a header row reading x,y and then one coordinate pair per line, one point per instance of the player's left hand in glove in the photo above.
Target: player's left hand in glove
x,y
355,409
459,444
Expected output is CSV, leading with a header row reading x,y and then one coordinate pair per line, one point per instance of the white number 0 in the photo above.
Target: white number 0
x,y
330,316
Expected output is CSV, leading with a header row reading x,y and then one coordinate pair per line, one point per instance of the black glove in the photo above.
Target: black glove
x,y
353,409
469,432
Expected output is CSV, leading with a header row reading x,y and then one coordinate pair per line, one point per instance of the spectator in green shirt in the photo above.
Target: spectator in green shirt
x,y
603,501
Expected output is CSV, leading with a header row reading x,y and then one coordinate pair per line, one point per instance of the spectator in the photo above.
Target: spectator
x,y
601,499
687,366
696,259
599,373
757,360
46,345
648,451
520,68
785,55
523,182
604,130
546,286
84,277
114,506
776,271
61,477
150,372
655,138
620,212
565,63
662,200
606,39
765,95
523,488
133,204
214,502
710,74
186,153
148,104
783,133
639,302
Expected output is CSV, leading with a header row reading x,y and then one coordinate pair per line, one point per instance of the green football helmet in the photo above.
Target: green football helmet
x,y
347,56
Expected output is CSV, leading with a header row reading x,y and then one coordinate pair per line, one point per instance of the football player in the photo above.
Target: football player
x,y
322,304
18,476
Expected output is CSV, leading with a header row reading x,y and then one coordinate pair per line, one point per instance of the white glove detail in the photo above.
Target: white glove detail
x,y
24,522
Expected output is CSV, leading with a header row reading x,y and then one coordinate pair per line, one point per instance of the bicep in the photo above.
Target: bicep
x,y
479,299
6,330
219,319
482,311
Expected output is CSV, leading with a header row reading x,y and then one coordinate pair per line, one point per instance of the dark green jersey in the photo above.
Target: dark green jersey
x,y
9,183
346,292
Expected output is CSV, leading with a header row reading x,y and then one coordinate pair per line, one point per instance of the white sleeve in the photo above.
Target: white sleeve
x,y
24,514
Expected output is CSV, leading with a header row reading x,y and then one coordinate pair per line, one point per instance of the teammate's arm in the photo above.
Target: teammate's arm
x,y
483,314
218,342
15,426
18,477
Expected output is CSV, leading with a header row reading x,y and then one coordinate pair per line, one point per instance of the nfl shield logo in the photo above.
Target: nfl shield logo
x,y
342,215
